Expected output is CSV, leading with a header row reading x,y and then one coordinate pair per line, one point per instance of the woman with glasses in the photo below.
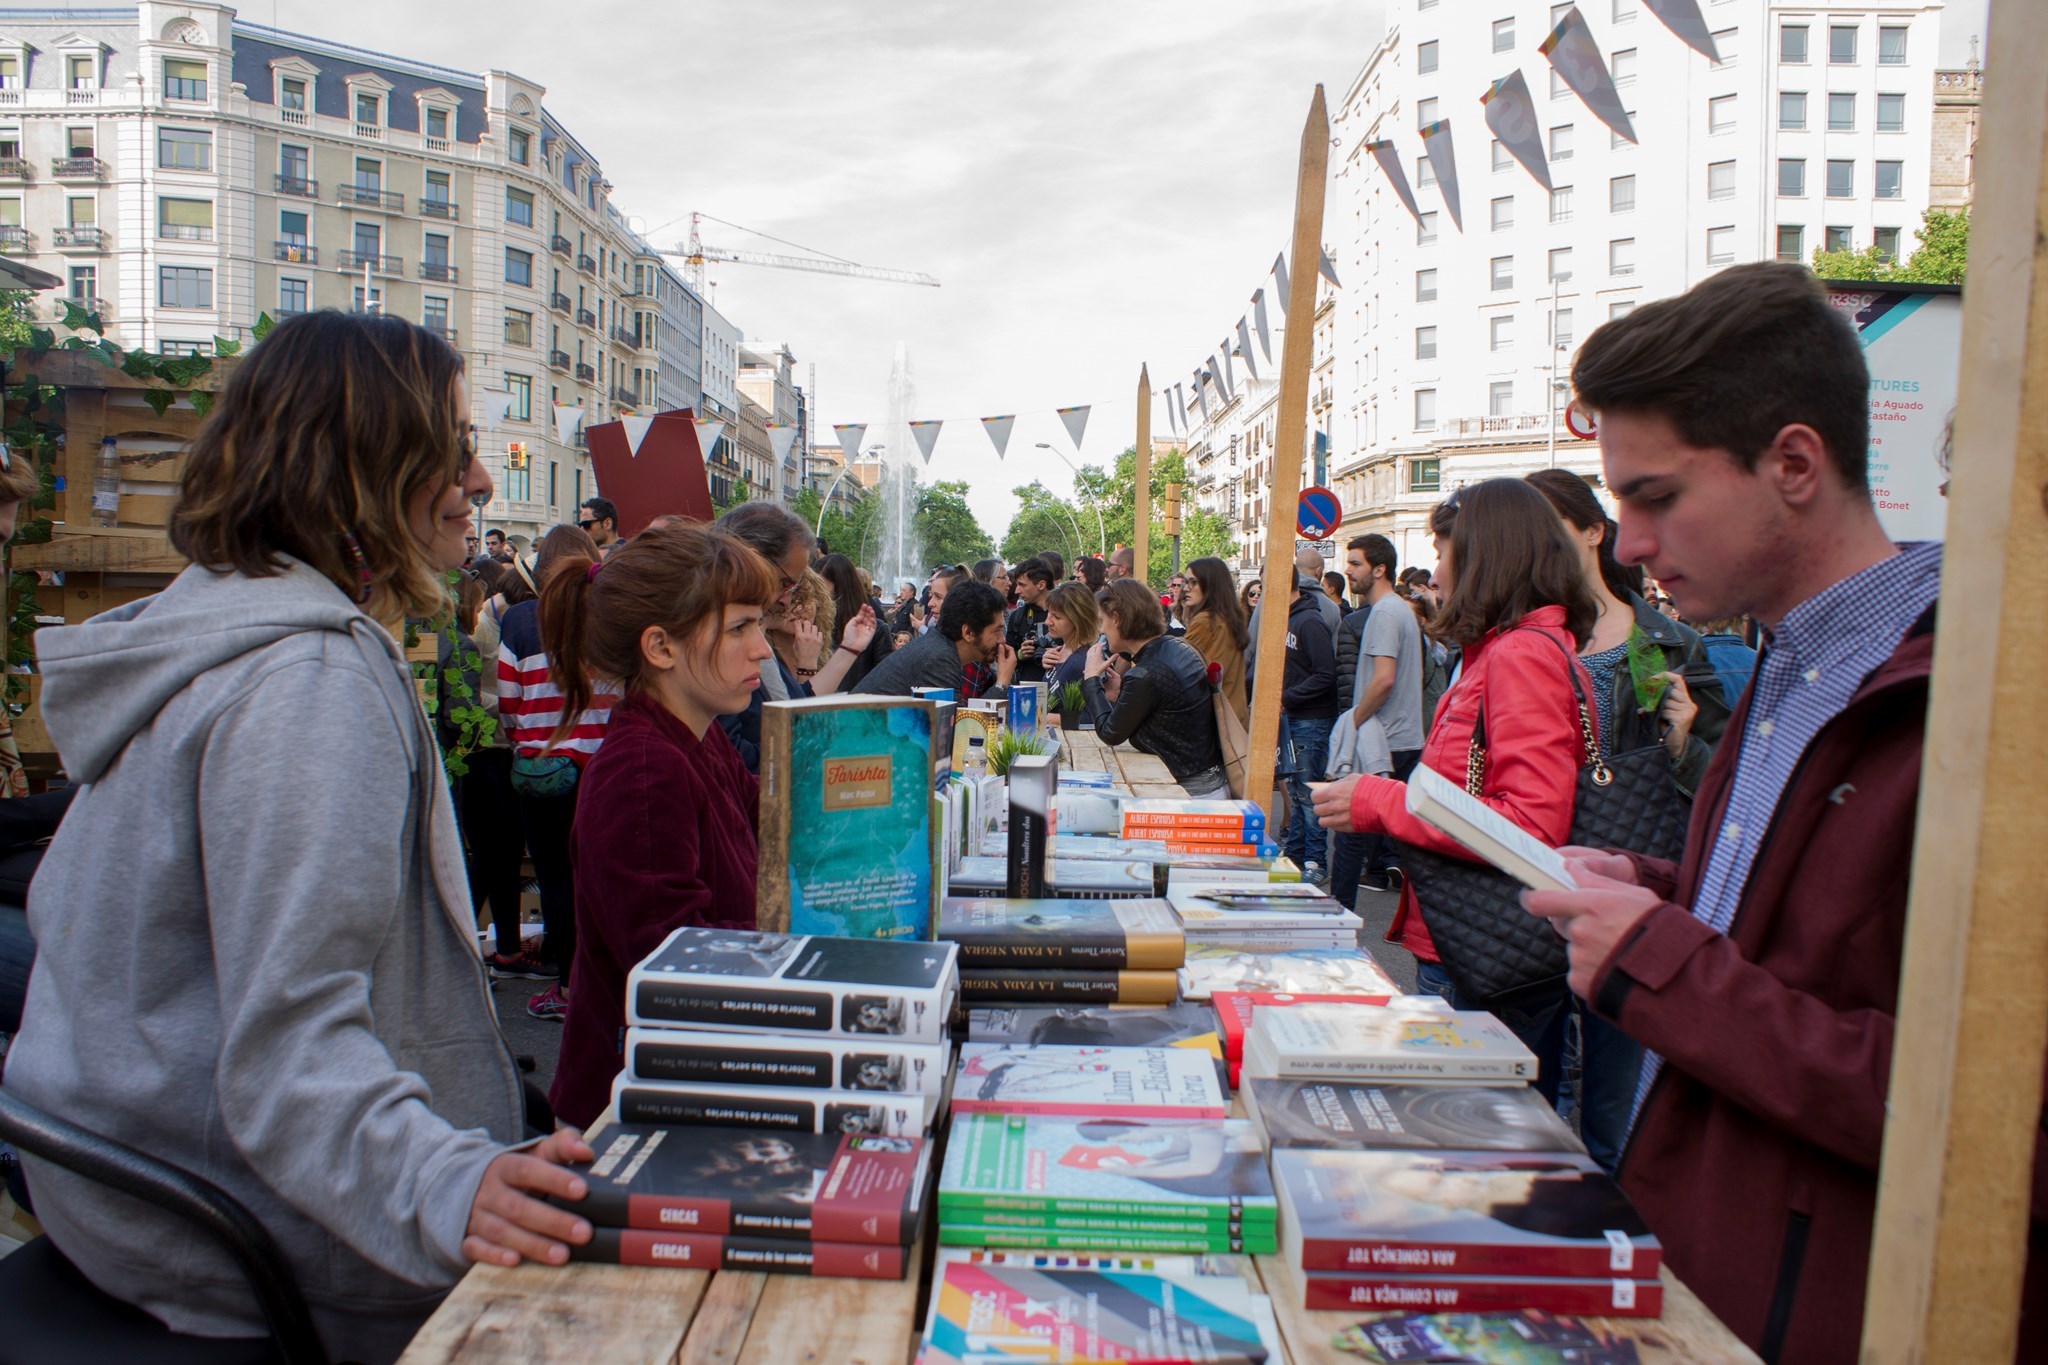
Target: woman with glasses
x,y
277,989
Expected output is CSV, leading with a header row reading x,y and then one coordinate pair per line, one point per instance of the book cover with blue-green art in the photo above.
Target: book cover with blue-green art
x,y
849,843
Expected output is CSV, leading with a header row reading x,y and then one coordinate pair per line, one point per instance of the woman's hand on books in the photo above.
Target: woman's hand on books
x,y
506,1224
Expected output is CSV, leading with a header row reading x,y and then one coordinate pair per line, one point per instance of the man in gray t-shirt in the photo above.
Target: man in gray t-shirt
x,y
1388,684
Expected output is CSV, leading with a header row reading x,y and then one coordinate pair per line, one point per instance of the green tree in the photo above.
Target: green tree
x,y
1044,521
1943,253
946,527
16,323
1114,493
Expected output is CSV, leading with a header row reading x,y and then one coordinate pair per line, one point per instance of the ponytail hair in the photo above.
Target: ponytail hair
x,y
594,611
1573,499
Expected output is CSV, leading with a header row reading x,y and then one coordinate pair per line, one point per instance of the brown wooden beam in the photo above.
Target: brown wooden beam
x,y
1141,519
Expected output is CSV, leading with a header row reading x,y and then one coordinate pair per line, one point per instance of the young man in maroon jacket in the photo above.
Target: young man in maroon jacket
x,y
1761,974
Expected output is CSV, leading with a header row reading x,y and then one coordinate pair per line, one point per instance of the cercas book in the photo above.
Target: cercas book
x,y
1098,935
1383,1043
710,1057
746,980
1106,1082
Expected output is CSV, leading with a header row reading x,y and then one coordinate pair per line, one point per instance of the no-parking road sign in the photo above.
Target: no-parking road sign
x,y
1317,514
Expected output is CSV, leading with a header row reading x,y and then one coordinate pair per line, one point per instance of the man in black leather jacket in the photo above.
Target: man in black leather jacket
x,y
1160,703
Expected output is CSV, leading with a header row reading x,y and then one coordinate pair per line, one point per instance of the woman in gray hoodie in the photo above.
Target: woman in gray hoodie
x,y
257,959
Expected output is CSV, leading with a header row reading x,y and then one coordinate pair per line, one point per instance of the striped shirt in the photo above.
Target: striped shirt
x,y
1812,665
529,703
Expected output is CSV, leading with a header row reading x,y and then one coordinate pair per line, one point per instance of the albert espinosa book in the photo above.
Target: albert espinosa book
x,y
848,840
1133,1082
1366,1042
774,1255
1459,1213
1210,1173
746,980
771,1107
1098,935
1347,1114
984,1312
708,1057
1166,813
825,1188
1373,1292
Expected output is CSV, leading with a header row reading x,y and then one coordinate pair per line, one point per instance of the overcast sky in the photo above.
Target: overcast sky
x,y
1095,184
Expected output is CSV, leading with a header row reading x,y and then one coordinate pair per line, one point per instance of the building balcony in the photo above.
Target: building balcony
x,y
78,168
626,397
298,253
443,331
369,197
357,261
626,337
440,270
585,318
14,168
559,245
14,241
587,264
79,239
442,209
586,373
373,131
297,117
183,232
1532,425
560,303
296,185
558,360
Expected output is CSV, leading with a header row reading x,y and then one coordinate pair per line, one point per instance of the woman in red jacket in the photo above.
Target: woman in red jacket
x,y
1510,578
666,813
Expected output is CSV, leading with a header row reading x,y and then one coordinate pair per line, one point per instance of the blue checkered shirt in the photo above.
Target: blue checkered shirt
x,y
1812,665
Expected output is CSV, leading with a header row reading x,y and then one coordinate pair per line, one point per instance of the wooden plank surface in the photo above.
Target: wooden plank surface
x,y
574,1314
1687,1334
1950,1241
80,548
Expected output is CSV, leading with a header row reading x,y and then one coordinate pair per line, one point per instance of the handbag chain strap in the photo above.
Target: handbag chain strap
x,y
1475,752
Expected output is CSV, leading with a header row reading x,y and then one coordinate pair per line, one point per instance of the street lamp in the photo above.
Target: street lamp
x,y
1101,536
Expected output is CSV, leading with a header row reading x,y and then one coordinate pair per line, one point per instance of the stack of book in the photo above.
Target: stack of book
x,y
1186,825
1365,1042
1233,1013
1265,918
797,1034
1187,1024
993,1306
1377,1114
1325,971
1069,950
1114,1084
1103,1184
741,1199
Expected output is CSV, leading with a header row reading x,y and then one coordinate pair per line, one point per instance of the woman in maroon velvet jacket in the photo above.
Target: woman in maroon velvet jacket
x,y
666,814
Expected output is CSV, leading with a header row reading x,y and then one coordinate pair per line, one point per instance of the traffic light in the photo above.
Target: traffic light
x,y
515,455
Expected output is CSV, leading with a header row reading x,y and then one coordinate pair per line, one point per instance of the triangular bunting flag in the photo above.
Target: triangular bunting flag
x,y
1244,348
1076,420
927,435
1172,417
781,436
1397,175
1436,144
1575,56
1216,378
1682,17
850,435
998,429
1280,279
636,431
1259,316
567,419
1511,114
1229,370
1201,397
1180,405
708,433
1327,268
494,406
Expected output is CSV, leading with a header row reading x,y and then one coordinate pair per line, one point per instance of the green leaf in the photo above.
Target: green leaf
x,y
137,365
264,324
107,353
224,347
201,401
1645,667
76,318
159,400
73,344
41,338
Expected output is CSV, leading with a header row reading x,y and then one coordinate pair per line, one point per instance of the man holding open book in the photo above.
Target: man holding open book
x,y
1762,973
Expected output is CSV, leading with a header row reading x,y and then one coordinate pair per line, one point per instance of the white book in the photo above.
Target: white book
x,y
1093,1082
1371,1042
772,1108
1457,814
709,1057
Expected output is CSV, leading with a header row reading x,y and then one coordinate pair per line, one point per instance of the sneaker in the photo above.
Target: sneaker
x,y
1381,882
1313,872
525,964
550,1005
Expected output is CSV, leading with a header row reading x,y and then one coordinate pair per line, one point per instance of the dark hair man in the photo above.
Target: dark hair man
x,y
1762,975
1379,677
494,545
784,539
1034,580
1333,584
968,630
600,518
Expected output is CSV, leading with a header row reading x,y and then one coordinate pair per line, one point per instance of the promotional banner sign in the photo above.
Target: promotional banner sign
x,y
659,474
781,436
850,435
1244,349
1911,336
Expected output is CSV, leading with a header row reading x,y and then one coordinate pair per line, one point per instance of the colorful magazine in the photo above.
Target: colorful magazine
x,y
709,1057
1127,1082
1459,1213
1208,1172
1346,1114
1528,1337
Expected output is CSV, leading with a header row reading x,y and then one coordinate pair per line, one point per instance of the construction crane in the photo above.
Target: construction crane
x,y
695,253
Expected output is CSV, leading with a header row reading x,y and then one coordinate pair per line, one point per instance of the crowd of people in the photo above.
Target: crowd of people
x,y
294,1008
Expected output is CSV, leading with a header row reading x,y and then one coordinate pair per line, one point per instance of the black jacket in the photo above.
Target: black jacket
x,y
1628,728
1163,708
930,660
1024,621
865,663
1350,636
1308,690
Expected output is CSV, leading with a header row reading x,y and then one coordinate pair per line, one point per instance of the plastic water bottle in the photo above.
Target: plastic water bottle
x,y
106,485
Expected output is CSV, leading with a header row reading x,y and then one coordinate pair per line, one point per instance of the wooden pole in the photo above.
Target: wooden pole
x,y
1141,518
1289,433
1950,1244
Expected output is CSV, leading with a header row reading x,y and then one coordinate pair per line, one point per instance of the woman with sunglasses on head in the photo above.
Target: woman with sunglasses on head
x,y
278,988
1518,609
667,815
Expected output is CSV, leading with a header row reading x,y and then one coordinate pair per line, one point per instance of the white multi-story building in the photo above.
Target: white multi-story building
x,y
188,172
722,401
1812,130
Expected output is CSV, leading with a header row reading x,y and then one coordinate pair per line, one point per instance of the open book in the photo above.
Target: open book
x,y
1456,813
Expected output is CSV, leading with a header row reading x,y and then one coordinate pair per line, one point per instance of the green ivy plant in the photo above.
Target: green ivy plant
x,y
446,685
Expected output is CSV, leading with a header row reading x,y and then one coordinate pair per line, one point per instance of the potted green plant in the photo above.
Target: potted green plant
x,y
1066,703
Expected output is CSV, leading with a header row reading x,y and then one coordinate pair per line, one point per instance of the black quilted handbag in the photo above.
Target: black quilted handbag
x,y
1496,953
